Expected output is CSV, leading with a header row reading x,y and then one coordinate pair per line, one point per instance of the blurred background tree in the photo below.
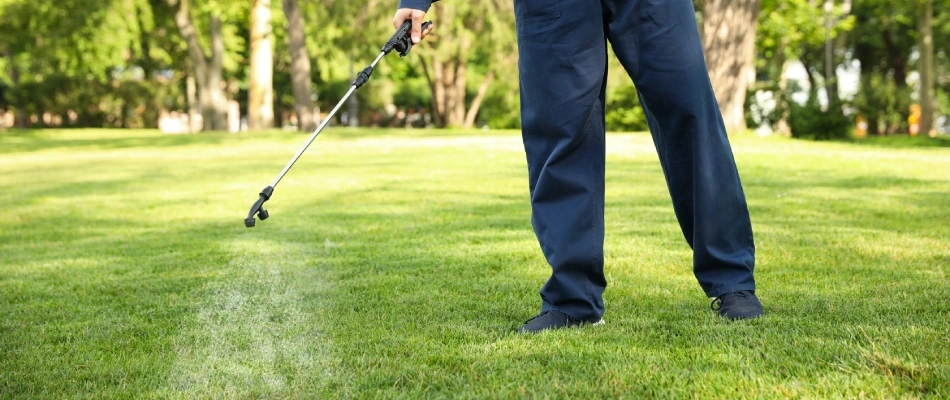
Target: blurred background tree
x,y
807,68
729,28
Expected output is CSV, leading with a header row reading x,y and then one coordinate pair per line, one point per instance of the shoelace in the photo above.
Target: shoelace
x,y
543,313
537,316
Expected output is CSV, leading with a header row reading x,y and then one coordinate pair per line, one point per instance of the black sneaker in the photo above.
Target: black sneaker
x,y
738,305
553,320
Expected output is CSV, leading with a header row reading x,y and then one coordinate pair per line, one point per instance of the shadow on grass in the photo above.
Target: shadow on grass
x,y
102,292
430,286
902,141
425,296
25,141
872,202
343,132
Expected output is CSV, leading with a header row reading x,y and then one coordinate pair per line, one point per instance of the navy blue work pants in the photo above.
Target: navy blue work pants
x,y
562,47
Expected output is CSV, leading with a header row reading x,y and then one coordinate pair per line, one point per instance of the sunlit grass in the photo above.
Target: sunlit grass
x,y
399,264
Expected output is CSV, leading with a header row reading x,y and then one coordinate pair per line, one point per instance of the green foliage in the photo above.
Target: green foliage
x,y
501,108
883,43
786,26
793,29
761,115
473,43
70,37
67,57
812,121
343,31
87,63
884,103
624,113
235,20
943,102
54,50
412,93
884,39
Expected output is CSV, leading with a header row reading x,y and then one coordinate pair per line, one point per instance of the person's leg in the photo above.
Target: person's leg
x,y
562,66
658,43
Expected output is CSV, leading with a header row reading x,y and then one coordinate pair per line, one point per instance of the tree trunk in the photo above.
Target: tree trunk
x,y
260,96
926,66
895,58
781,95
213,104
191,94
448,83
831,77
218,102
20,113
299,67
477,101
457,90
445,58
438,96
874,125
810,76
729,44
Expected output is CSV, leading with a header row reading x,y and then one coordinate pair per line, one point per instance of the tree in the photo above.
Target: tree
x,y
729,44
470,33
941,41
208,70
832,15
926,65
882,42
71,63
299,67
802,31
260,103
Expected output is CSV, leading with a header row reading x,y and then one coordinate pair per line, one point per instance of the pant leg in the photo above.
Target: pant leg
x,y
658,43
562,66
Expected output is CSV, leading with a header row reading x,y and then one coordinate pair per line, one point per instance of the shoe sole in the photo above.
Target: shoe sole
x,y
599,322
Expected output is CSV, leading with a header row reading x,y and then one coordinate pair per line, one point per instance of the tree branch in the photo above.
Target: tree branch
x,y
477,101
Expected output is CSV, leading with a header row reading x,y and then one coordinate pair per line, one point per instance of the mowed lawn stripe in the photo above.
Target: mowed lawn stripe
x,y
399,264
122,248
250,337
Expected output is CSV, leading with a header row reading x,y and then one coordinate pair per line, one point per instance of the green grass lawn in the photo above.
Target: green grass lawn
x,y
400,263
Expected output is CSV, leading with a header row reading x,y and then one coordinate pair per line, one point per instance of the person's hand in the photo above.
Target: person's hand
x,y
416,16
